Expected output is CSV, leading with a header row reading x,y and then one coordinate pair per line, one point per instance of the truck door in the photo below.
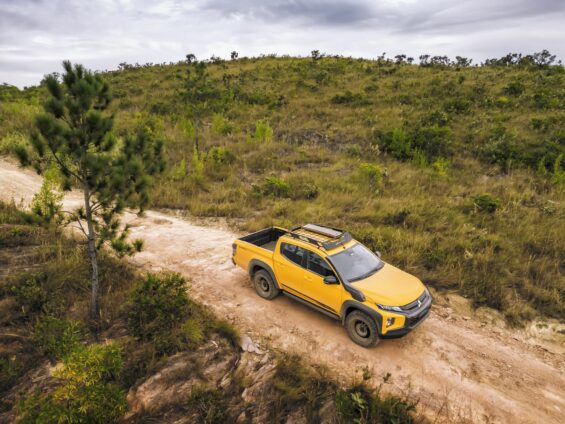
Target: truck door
x,y
327,296
290,266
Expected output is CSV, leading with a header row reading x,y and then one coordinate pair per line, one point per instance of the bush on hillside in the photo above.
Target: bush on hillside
x,y
396,142
486,203
87,391
362,405
349,98
56,337
221,126
158,304
433,141
273,186
263,132
371,174
30,294
514,88
220,156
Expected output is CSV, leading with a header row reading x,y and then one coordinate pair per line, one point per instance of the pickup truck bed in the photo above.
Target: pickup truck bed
x,y
267,238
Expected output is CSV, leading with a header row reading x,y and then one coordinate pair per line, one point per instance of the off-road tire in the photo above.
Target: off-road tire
x,y
362,329
264,285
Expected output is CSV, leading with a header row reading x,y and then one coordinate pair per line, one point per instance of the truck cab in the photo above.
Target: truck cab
x,y
326,269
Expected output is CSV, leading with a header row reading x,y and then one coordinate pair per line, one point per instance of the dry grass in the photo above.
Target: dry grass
x,y
422,217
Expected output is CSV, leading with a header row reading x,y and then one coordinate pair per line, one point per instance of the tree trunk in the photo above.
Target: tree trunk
x,y
92,255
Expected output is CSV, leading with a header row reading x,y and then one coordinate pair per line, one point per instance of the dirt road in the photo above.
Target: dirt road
x,y
462,367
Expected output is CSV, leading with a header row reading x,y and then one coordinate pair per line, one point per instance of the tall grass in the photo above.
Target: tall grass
x,y
396,153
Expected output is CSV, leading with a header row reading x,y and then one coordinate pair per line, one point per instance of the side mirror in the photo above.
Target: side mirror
x,y
378,253
330,279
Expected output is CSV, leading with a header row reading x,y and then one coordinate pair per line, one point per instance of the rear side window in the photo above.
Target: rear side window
x,y
293,253
318,265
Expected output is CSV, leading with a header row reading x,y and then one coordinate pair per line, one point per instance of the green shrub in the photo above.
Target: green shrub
x,y
372,174
192,332
514,88
433,141
502,148
209,405
87,393
457,106
263,132
179,172
197,166
13,142
502,101
486,203
221,126
558,174
220,156
441,166
273,186
46,203
30,294
349,98
436,118
396,142
361,405
544,99
159,303
303,189
56,337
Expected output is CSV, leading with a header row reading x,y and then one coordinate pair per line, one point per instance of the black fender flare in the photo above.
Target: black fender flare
x,y
255,263
350,305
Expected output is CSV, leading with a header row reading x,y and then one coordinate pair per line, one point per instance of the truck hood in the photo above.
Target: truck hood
x,y
390,286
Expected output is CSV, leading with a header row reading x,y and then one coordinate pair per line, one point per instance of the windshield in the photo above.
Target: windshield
x,y
356,263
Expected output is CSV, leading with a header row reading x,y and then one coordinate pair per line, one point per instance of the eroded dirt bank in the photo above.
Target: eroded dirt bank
x,y
460,366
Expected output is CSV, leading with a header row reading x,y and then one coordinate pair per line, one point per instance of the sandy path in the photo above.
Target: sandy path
x,y
459,368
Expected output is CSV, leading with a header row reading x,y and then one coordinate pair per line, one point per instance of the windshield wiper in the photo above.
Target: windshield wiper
x,y
366,275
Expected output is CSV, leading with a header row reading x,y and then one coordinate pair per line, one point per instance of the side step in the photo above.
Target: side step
x,y
311,305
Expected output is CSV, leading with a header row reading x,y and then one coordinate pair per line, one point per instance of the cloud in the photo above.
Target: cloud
x,y
36,35
307,11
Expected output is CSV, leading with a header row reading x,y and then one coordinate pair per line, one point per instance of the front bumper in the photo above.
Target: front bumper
x,y
412,319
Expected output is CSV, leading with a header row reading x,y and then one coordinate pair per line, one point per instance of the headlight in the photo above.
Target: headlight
x,y
390,308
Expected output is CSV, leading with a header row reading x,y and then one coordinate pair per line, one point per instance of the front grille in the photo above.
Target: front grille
x,y
417,303
411,322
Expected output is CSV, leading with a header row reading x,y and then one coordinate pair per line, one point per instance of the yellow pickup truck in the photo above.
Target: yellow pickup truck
x,y
327,269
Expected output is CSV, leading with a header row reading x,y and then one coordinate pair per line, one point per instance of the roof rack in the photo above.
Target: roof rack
x,y
337,237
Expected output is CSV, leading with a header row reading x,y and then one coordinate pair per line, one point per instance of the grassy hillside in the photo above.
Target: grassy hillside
x,y
455,173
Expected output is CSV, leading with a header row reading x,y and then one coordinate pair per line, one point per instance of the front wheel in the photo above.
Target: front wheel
x,y
264,285
362,329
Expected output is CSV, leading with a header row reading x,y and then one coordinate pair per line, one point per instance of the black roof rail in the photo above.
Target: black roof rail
x,y
305,238
341,238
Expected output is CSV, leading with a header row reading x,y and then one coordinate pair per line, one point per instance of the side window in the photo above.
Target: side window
x,y
293,253
318,265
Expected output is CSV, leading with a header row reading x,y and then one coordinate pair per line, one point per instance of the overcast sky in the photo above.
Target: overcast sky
x,y
36,35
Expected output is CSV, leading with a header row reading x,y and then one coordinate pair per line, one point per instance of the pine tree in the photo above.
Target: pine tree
x,y
75,133
201,96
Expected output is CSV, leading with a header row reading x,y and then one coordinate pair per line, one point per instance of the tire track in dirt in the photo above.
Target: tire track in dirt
x,y
459,368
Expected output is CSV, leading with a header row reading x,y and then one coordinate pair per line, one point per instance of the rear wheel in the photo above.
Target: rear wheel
x,y
264,285
362,329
